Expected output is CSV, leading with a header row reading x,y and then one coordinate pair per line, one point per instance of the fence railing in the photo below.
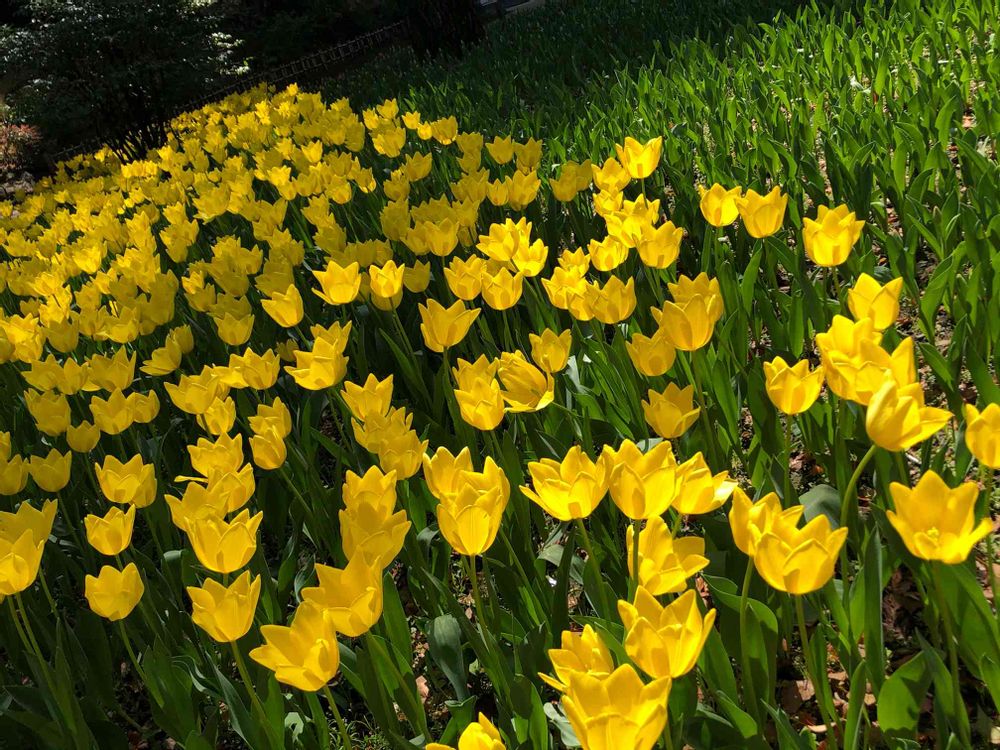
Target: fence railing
x,y
278,75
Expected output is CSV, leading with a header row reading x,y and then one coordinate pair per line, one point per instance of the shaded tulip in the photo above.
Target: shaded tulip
x,y
480,735
111,534
793,389
571,488
937,522
830,236
799,561
305,654
351,597
225,546
584,652
524,387
13,475
762,214
718,205
114,593
660,246
20,558
51,472
665,641
550,350
855,365
269,451
285,308
643,485
671,412
480,399
133,482
982,433
83,438
897,419
665,563
374,398
651,355
616,711
225,612
443,327
869,299
443,472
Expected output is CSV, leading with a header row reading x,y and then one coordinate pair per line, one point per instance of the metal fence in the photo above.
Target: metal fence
x,y
287,73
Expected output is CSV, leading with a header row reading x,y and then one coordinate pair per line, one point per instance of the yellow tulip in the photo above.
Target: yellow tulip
x,y
799,561
339,285
830,236
611,177
285,308
83,438
651,355
225,612
671,412
465,277
274,417
689,320
132,482
897,419
351,598
643,485
371,527
28,518
750,520
701,491
665,563
111,534
49,410
854,364
470,520
443,472
524,387
480,735
982,434
762,214
305,654
113,415
51,472
613,302
869,299
20,558
793,389
550,350
114,593
571,488
269,451
584,652
225,546
665,641
718,205
660,246
443,327
937,522
13,475
616,711
502,289
640,159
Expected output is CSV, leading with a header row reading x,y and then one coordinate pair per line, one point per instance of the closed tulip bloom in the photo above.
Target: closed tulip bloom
x,y
28,518
831,235
749,520
443,472
665,563
502,289
225,613
274,417
114,593
225,546
51,472
445,326
550,350
689,320
616,711
665,641
339,285
269,451
718,205
651,355
640,159
470,520
897,418
799,561
869,299
762,214
672,412
614,302
607,254
305,654
224,454
571,488
257,371
583,652
83,438
113,415
982,434
351,597
855,365
793,389
465,277
937,522
701,491
660,246
13,475
611,177
643,485
387,280
285,308
20,558
373,399
481,735
402,453
49,410
524,387
111,534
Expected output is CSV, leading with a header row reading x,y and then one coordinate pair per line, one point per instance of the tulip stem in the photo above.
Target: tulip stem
x,y
749,691
241,667
957,705
131,652
345,737
470,565
846,506
787,499
668,738
991,571
634,578
814,672
596,566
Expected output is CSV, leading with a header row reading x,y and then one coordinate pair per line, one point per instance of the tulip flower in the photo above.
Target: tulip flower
x,y
869,299
616,711
798,561
550,351
465,277
443,472
225,546
111,534
524,387
689,320
584,652
571,488
351,598
660,246
830,236
443,327
501,289
470,520
982,434
225,613
701,491
643,485
613,302
665,563
762,214
83,438
897,418
480,735
793,389
671,412
718,205
269,451
935,521
611,177
305,654
51,472
854,364
374,398
114,593
749,521
640,159
20,558
665,641
13,475
285,308
651,355
339,285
